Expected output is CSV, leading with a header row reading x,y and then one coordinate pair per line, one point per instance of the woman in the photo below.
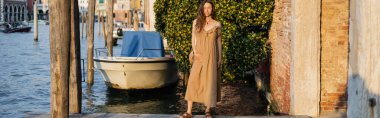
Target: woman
x,y
203,85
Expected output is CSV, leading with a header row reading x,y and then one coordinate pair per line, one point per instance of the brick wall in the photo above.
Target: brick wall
x,y
334,55
279,38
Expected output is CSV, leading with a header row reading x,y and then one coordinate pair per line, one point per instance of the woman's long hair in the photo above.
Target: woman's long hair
x,y
201,18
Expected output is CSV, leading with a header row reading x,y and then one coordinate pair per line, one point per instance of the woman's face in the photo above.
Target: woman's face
x,y
207,9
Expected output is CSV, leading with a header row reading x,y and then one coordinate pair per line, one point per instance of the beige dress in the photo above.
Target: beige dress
x,y
204,81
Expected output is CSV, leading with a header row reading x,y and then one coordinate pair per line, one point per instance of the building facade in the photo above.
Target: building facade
x,y
42,9
13,11
122,10
29,8
83,6
1,10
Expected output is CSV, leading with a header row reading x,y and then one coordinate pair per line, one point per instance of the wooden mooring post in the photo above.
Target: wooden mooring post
x,y
99,28
109,12
104,31
83,16
35,21
75,85
135,21
59,57
90,41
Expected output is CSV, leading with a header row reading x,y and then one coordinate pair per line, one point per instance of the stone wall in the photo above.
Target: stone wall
x,y
295,60
305,51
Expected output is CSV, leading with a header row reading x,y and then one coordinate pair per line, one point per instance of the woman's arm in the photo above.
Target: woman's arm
x,y
193,40
193,43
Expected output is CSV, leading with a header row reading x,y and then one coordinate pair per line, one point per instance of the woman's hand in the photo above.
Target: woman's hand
x,y
191,57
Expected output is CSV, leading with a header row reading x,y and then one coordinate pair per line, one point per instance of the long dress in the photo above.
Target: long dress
x,y
204,80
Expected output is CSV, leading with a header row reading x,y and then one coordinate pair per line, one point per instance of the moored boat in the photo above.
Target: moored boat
x,y
142,64
8,28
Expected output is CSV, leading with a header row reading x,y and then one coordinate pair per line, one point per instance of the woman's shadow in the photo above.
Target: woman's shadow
x,y
361,102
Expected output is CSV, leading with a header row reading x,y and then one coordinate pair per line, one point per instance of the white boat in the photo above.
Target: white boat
x,y
138,70
134,73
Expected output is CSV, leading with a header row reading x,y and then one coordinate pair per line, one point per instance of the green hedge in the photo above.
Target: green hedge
x,y
244,34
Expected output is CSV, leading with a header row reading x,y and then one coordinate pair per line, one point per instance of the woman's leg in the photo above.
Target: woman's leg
x,y
188,113
208,112
208,109
189,106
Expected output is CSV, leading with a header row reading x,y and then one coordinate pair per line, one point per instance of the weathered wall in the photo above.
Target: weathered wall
x,y
279,37
334,55
305,51
295,61
364,56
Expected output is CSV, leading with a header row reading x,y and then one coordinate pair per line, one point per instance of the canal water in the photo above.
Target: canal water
x,y
25,81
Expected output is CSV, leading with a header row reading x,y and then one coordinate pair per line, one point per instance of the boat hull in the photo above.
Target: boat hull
x,y
129,73
22,29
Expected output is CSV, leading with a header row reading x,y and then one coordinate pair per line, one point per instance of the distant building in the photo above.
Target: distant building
x,y
100,5
29,8
1,10
43,9
83,5
13,10
122,10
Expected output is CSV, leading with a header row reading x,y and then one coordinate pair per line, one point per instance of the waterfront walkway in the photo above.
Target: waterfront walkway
x,y
113,115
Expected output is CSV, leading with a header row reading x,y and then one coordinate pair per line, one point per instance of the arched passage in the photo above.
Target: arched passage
x,y
19,13
23,13
40,14
10,13
14,14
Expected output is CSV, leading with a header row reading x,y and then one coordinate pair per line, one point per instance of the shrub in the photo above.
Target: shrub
x,y
245,27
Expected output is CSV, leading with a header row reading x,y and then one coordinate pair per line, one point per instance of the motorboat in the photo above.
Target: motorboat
x,y
8,28
142,63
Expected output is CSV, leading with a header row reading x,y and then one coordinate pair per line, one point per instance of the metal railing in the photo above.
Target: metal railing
x,y
98,51
141,52
166,51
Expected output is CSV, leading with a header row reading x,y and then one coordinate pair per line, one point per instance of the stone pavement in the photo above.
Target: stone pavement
x,y
114,115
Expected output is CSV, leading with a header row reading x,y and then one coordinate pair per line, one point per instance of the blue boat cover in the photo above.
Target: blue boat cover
x,y
134,42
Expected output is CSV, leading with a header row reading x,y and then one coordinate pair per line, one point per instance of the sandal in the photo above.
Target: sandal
x,y
209,114
186,115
